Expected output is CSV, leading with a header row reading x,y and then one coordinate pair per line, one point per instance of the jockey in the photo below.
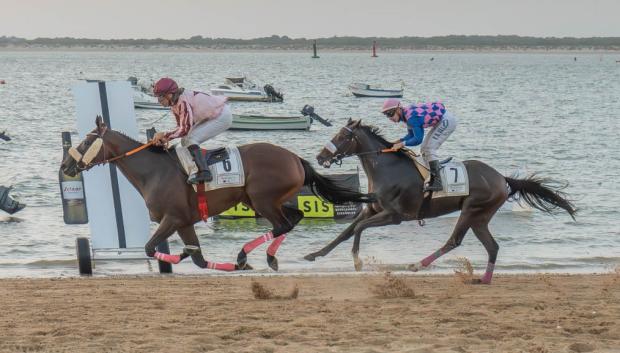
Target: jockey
x,y
200,116
418,117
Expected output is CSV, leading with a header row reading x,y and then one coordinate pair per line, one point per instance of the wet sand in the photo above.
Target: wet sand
x,y
337,313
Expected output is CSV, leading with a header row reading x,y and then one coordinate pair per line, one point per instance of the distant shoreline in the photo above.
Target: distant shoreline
x,y
296,50
450,43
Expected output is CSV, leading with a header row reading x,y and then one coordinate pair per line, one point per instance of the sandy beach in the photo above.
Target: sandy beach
x,y
335,313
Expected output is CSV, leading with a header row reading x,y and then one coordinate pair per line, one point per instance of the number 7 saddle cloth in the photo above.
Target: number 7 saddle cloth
x,y
224,163
454,177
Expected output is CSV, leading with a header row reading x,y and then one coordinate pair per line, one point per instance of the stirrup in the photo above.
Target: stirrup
x,y
200,177
433,187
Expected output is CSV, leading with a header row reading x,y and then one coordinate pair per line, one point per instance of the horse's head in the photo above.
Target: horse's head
x,y
342,144
88,153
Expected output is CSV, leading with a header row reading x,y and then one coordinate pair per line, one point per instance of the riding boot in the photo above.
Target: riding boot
x,y
435,183
7,204
203,174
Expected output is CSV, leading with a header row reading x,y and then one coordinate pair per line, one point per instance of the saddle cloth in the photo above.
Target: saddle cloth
x,y
454,177
224,163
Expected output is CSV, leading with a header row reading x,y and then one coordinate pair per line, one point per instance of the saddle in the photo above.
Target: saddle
x,y
420,163
215,155
224,163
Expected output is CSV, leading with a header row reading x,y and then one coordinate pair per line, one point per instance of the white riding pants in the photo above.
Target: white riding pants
x,y
203,131
436,136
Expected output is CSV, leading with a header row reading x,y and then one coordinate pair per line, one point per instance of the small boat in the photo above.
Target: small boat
x,y
364,90
242,89
270,122
142,100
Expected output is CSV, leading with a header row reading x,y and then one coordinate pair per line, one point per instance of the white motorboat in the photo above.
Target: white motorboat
x,y
242,89
364,90
142,100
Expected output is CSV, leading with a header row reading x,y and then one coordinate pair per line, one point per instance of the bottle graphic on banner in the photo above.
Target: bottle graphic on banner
x,y
72,190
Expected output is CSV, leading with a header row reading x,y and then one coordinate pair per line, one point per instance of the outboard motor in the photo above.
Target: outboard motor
x,y
4,137
276,96
7,204
308,110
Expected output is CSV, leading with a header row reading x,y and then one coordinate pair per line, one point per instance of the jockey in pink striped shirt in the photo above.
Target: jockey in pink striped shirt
x,y
200,116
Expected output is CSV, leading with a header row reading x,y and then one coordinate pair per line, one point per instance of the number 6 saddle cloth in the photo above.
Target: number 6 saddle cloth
x,y
454,177
224,163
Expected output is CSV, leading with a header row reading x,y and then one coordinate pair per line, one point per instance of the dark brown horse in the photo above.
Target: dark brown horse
x,y
273,175
398,186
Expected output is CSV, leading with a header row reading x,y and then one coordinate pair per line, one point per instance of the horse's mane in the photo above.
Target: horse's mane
x,y
154,149
375,132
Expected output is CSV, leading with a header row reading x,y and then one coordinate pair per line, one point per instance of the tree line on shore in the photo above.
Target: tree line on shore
x,y
451,42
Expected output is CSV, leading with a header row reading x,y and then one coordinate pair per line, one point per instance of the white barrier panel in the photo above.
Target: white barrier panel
x,y
118,216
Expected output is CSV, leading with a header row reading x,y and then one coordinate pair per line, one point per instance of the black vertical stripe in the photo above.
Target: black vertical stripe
x,y
118,209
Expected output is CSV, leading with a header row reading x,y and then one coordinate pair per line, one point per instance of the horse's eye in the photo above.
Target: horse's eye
x,y
87,143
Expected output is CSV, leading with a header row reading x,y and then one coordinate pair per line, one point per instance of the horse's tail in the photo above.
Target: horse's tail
x,y
542,193
330,189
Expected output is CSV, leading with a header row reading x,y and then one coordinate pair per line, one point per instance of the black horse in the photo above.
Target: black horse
x,y
398,185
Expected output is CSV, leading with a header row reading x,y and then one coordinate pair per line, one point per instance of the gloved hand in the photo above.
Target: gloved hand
x,y
160,139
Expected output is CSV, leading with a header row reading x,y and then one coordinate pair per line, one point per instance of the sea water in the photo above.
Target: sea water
x,y
544,112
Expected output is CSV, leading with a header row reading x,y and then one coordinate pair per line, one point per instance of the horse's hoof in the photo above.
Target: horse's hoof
x,y
415,267
479,281
272,262
242,259
358,264
191,250
310,257
245,267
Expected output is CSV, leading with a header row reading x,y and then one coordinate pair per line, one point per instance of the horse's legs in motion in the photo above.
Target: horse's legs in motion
x,y
188,235
484,235
382,218
281,225
461,228
293,215
345,235
165,229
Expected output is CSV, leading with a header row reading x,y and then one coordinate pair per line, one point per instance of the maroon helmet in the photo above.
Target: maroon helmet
x,y
164,86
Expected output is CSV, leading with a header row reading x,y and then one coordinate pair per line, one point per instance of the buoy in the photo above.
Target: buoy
x,y
314,56
2,82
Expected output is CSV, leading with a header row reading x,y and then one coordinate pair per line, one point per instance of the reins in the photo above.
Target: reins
x,y
126,154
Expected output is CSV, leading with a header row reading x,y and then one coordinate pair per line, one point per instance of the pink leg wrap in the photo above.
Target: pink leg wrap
x,y
273,248
432,257
486,279
222,266
172,259
256,242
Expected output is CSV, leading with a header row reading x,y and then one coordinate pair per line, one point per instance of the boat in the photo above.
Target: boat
x,y
251,121
364,90
142,100
242,89
270,122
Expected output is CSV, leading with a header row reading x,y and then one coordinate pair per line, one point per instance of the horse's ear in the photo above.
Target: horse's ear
x,y
358,123
349,122
101,126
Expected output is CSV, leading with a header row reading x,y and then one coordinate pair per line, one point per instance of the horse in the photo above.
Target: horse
x,y
273,175
398,186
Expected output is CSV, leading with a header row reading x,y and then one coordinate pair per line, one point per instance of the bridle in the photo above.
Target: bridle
x,y
86,159
338,157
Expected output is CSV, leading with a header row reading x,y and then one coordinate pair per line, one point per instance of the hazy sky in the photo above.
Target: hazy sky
x,y
174,19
